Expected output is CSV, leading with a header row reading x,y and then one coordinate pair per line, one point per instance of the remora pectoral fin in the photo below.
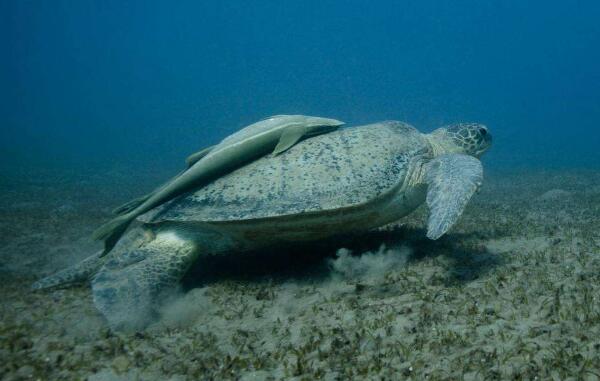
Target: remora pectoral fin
x,y
452,179
193,158
288,138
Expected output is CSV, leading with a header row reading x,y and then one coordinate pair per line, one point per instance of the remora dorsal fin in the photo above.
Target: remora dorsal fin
x,y
130,205
193,158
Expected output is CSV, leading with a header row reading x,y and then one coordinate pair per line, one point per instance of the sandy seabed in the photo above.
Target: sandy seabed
x,y
513,292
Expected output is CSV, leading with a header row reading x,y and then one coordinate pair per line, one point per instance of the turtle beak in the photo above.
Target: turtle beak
x,y
487,137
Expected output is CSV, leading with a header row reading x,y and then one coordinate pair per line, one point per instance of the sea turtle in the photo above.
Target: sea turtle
x,y
277,134
348,180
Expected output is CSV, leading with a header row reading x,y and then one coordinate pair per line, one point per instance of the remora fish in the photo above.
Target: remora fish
x,y
277,134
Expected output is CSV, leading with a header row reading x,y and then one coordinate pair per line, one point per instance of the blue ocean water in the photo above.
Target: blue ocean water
x,y
101,101
103,84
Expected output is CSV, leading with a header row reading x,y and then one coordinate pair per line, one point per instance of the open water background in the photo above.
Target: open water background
x,y
97,85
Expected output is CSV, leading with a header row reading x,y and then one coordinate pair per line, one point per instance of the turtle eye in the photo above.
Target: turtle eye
x,y
483,131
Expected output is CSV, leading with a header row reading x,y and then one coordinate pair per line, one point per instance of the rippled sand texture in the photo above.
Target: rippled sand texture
x,y
513,291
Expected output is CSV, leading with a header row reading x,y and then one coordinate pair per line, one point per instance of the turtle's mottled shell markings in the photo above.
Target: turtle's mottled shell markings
x,y
341,169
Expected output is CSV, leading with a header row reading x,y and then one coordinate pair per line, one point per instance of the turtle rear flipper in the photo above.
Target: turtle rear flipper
x,y
86,269
452,179
79,273
127,287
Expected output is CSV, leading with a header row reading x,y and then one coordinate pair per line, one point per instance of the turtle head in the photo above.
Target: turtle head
x,y
468,138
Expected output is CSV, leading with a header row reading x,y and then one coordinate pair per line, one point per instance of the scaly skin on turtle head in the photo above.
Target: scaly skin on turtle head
x,y
472,139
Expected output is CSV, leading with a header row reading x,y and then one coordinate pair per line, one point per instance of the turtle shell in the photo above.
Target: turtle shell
x,y
341,169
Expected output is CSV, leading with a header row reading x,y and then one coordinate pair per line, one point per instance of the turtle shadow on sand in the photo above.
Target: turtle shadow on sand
x,y
312,261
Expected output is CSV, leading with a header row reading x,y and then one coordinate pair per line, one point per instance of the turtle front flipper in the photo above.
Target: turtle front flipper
x,y
127,287
452,179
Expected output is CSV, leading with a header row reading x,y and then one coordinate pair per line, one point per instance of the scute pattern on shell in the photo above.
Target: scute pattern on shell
x,y
340,169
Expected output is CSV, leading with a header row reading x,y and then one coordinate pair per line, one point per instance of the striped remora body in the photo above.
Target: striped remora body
x,y
275,134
